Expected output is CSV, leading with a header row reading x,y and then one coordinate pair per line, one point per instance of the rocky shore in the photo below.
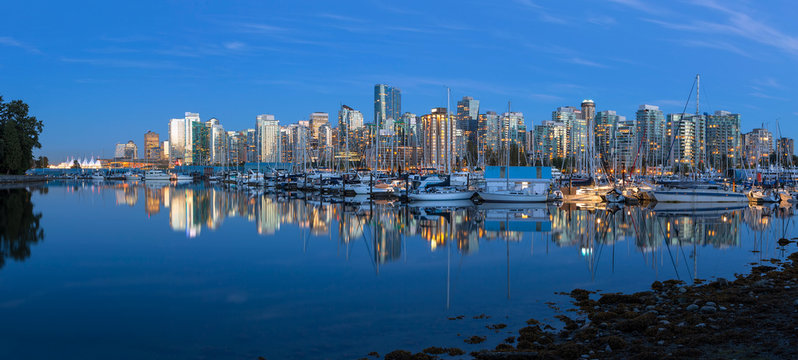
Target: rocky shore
x,y
754,316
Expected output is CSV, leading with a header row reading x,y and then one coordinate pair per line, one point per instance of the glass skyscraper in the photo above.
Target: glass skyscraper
x,y
387,104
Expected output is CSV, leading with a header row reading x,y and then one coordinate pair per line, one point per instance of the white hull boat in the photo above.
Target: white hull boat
x,y
183,178
441,195
511,197
156,175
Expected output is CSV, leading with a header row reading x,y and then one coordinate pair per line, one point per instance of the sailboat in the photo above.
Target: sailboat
x,y
524,188
443,193
697,191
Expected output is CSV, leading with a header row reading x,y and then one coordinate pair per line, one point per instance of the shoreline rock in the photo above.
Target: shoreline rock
x,y
753,316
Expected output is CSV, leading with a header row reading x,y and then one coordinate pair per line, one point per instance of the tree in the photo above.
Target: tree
x,y
19,134
42,162
75,164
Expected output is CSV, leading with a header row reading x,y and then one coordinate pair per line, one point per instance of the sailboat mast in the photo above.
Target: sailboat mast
x,y
697,91
449,137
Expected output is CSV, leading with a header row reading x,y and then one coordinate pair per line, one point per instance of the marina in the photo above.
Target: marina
x,y
330,278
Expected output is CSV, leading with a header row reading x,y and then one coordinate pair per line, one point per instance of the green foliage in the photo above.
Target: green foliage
x,y
19,134
75,164
42,162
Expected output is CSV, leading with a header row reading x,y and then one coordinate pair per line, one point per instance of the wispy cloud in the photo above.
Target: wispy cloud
x,y
644,6
259,28
585,62
545,97
738,24
766,96
122,63
769,82
9,41
234,45
717,45
530,4
338,17
601,20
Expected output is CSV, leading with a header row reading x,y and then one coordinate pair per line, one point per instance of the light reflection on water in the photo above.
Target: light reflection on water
x,y
195,271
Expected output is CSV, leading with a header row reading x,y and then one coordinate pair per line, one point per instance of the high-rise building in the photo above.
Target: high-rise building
x,y
191,120
575,130
177,139
549,141
126,151
685,144
724,142
387,105
468,118
605,125
350,122
217,141
165,150
200,144
651,136
270,146
438,142
253,145
152,146
785,149
490,134
588,110
236,147
317,119
513,130
624,147
757,146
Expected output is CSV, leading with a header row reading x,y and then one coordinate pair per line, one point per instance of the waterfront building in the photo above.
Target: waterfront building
x,y
588,110
651,136
785,149
191,120
152,146
236,147
217,142
605,125
387,105
269,146
757,147
724,142
200,144
513,130
177,139
317,120
126,151
575,131
438,142
549,141
165,149
350,133
685,144
624,146
490,130
468,118
252,146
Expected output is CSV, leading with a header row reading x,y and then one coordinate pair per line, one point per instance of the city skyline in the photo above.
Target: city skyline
x,y
106,82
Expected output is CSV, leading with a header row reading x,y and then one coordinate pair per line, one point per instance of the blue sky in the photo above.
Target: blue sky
x,y
100,72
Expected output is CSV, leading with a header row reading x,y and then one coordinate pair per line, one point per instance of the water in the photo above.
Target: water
x,y
91,270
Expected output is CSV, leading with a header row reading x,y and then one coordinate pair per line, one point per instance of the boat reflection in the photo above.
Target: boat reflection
x,y
384,225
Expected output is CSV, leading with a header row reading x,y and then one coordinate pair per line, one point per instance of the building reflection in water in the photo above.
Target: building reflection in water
x,y
384,225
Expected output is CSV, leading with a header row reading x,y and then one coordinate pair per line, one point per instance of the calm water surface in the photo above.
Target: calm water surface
x,y
128,271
